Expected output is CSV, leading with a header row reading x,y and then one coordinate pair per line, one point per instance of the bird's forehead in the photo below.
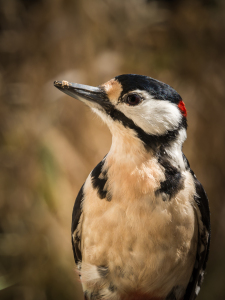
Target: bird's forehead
x,y
113,89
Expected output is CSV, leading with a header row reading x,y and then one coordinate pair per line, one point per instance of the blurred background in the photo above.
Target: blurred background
x,y
50,142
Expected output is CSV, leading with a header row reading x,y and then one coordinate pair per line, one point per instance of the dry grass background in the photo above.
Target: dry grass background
x,y
50,142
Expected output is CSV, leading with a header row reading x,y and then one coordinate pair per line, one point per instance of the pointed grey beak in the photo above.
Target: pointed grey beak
x,y
85,93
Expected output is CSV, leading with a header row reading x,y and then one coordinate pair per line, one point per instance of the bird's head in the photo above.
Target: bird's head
x,y
134,105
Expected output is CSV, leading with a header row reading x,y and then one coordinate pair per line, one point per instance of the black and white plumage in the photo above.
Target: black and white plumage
x,y
141,222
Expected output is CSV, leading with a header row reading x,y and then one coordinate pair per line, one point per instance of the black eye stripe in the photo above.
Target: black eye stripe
x,y
150,141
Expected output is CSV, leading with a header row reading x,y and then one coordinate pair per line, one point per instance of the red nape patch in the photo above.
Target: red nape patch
x,y
182,108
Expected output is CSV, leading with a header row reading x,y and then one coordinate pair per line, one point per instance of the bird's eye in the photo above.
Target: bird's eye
x,y
133,99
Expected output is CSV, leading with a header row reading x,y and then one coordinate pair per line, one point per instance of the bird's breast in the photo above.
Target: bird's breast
x,y
140,240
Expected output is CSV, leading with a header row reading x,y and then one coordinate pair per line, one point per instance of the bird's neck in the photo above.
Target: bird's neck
x,y
135,171
132,171
128,149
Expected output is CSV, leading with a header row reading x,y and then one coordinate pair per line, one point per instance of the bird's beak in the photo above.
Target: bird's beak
x,y
88,94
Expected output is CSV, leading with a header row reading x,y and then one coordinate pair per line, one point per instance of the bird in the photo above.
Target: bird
x,y
141,221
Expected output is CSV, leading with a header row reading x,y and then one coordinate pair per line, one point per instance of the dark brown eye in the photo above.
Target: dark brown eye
x,y
133,99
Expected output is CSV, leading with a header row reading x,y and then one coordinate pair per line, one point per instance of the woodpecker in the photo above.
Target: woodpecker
x,y
141,220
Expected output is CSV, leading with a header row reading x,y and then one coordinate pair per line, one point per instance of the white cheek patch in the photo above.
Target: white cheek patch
x,y
153,116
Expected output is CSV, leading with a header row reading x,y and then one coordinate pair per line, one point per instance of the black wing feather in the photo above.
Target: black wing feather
x,y
203,241
76,215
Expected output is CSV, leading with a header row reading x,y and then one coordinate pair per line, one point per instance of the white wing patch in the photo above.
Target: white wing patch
x,y
197,290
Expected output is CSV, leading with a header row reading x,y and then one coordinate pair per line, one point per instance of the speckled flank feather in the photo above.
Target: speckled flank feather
x,y
141,223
